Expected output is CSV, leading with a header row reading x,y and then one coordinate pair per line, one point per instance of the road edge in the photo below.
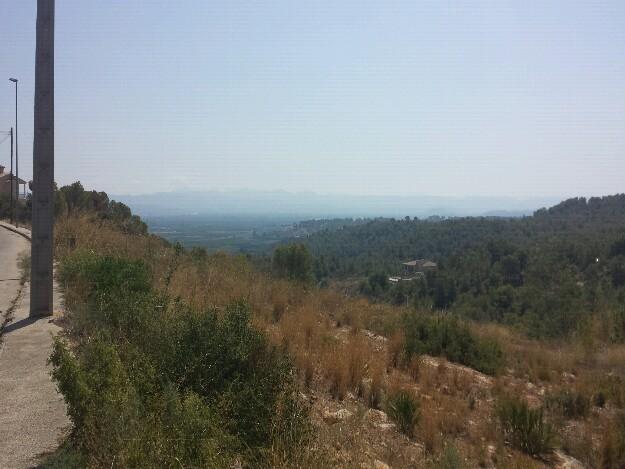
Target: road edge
x,y
16,230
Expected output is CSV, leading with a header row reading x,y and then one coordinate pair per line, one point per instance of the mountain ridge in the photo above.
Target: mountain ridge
x,y
307,204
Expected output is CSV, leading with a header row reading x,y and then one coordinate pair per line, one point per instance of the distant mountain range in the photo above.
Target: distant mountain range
x,y
311,205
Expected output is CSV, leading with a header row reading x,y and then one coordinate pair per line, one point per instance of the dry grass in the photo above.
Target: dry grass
x,y
428,432
335,372
374,392
414,367
323,332
396,355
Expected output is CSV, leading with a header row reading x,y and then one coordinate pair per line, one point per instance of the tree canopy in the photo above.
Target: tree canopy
x,y
543,273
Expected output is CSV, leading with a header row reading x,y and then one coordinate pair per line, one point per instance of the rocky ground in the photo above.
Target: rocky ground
x,y
457,417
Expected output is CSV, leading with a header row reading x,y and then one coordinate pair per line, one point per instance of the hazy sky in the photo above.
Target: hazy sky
x,y
440,97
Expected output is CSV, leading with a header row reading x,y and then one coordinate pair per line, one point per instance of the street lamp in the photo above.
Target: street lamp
x,y
17,164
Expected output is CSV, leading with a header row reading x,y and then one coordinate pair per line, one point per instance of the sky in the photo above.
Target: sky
x,y
445,98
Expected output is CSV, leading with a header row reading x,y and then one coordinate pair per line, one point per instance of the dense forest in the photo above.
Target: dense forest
x,y
544,273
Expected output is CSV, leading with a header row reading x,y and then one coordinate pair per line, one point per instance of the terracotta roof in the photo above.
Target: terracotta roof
x,y
5,177
423,263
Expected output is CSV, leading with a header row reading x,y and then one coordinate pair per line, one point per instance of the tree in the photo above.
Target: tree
x,y
511,270
617,271
444,292
618,247
292,261
378,282
60,204
74,195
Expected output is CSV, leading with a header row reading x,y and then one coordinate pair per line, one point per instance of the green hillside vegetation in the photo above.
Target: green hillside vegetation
x,y
152,382
74,199
545,273
155,383
181,358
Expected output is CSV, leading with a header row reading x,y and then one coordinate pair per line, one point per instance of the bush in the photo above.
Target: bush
x,y
149,382
570,404
24,264
525,428
599,399
104,274
130,419
65,457
112,294
449,459
447,336
404,409
610,388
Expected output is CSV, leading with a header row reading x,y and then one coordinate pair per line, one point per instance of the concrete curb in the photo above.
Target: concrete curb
x,y
15,230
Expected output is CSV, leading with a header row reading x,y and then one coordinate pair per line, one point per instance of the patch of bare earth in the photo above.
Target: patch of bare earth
x,y
457,409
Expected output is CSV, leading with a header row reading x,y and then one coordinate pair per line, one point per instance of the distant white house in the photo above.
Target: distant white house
x,y
413,269
419,266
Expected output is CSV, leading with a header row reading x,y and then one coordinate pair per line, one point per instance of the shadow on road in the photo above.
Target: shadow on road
x,y
21,324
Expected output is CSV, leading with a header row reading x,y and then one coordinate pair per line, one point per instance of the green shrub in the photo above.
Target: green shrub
x,y
610,388
65,457
447,336
104,274
449,459
136,423
524,428
111,295
599,399
404,409
23,262
570,404
151,383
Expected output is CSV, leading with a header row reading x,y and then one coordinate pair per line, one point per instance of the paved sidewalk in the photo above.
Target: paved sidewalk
x,y
32,413
11,245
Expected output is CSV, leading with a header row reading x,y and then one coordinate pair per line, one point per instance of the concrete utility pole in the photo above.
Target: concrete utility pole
x,y
12,217
43,165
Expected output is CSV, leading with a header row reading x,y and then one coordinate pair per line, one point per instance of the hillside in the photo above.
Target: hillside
x,y
543,273
180,358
